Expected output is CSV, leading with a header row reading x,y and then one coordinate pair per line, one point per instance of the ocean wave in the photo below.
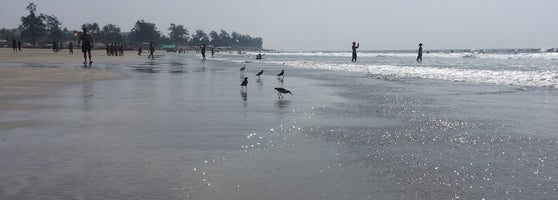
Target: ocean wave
x,y
518,78
541,54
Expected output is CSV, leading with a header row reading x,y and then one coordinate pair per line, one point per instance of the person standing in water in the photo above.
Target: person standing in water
x,y
151,51
203,51
86,45
14,45
419,57
355,46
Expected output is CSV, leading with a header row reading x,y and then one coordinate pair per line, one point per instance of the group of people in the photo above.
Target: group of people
x,y
115,49
356,45
16,45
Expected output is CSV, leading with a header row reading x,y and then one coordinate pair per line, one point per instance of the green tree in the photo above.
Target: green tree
x,y
226,38
53,27
144,32
32,26
93,29
234,38
8,33
178,34
111,33
200,38
215,39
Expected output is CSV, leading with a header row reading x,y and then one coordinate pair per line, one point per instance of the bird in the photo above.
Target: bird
x,y
282,90
281,74
242,70
244,83
259,73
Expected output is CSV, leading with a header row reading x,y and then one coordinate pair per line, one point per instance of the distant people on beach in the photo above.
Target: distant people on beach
x,y
151,51
71,48
259,56
203,51
115,49
14,45
54,46
140,50
354,47
19,45
86,41
212,51
419,57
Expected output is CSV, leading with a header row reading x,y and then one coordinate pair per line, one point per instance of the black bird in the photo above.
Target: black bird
x,y
244,83
281,74
282,90
259,73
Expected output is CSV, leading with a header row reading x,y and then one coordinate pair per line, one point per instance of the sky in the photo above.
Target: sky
x,y
320,25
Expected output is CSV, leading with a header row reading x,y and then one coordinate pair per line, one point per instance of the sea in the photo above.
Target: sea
x,y
462,124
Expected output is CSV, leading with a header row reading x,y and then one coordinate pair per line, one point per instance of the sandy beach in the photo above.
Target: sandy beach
x,y
40,74
178,127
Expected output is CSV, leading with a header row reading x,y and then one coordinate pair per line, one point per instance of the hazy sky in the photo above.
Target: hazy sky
x,y
325,24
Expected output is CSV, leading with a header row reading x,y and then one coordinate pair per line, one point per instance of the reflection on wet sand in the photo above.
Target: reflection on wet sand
x,y
282,103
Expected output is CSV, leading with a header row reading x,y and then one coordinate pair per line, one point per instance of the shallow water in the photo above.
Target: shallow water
x,y
180,128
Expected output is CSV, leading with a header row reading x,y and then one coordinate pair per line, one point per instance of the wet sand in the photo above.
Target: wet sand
x,y
143,129
45,78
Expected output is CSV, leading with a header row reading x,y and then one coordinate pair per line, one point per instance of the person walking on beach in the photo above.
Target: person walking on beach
x,y
151,51
419,57
14,45
203,51
86,41
19,45
139,50
355,46
71,48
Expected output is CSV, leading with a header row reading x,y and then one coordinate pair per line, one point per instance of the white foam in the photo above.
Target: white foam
x,y
473,54
519,78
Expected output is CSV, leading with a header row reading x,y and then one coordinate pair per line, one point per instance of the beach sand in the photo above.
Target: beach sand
x,y
147,129
31,80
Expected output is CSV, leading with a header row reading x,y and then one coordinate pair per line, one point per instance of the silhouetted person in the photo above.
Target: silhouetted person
x,y
203,51
419,57
212,52
151,50
86,41
354,47
54,47
71,48
14,45
139,50
19,45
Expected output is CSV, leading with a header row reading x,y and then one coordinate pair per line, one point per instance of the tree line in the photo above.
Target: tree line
x,y
39,29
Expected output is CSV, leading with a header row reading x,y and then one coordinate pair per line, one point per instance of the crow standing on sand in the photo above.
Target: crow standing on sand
x,y
259,73
282,90
281,74
244,84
